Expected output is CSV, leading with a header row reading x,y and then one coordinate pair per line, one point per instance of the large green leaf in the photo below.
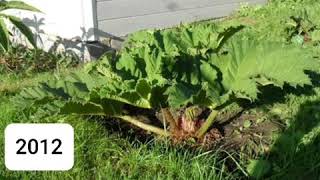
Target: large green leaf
x,y
144,63
226,35
66,91
4,5
182,94
86,94
130,67
197,39
154,63
250,64
205,92
4,35
142,39
66,98
23,29
190,40
129,92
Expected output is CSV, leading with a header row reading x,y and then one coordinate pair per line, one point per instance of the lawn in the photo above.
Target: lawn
x,y
277,137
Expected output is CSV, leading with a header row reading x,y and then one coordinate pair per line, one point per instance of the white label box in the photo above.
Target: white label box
x,y
39,147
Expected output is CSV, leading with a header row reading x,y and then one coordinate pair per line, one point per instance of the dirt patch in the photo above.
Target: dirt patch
x,y
247,132
250,132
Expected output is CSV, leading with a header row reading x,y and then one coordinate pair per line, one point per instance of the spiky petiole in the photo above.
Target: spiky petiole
x,y
207,124
167,116
144,126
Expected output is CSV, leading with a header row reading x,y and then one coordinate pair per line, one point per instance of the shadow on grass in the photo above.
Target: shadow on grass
x,y
270,94
295,153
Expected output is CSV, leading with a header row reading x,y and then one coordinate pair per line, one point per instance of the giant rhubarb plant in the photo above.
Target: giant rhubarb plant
x,y
175,68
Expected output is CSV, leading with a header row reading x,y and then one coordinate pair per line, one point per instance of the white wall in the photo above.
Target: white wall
x,y
64,25
65,18
120,17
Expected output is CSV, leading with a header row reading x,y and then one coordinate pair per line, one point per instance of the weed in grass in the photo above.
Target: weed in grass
x,y
24,61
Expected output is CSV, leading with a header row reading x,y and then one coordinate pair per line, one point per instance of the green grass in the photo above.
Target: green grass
x,y
295,152
11,83
101,153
